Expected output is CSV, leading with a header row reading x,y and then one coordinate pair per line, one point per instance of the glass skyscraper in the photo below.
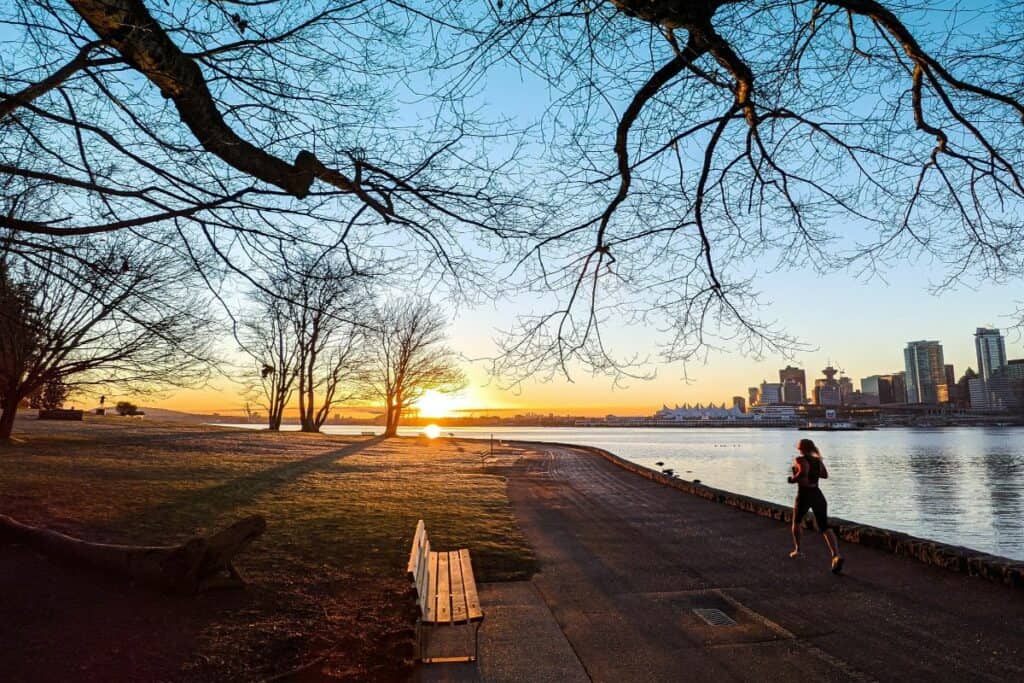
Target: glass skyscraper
x,y
926,372
991,349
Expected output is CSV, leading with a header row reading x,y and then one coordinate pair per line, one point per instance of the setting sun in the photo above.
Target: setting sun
x,y
436,404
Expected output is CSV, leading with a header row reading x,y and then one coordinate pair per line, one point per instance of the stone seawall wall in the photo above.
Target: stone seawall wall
x,y
952,557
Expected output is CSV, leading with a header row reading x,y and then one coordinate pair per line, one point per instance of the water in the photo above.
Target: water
x,y
963,486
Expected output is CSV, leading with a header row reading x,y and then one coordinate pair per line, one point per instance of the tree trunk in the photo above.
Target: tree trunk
x,y
390,423
7,421
195,566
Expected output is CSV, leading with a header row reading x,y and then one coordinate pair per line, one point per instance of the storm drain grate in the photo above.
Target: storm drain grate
x,y
715,617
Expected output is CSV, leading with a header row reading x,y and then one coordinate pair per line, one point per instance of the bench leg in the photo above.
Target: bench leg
x,y
465,658
476,640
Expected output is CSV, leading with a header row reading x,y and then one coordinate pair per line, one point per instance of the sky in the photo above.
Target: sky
x,y
858,326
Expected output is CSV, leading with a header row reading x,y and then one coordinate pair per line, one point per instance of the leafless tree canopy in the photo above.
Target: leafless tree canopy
x,y
305,331
242,125
102,313
683,144
406,357
702,140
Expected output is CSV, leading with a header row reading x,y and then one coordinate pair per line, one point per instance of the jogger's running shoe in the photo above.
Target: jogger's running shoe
x,y
837,564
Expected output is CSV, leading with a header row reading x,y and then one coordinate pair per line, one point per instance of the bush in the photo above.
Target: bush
x,y
127,408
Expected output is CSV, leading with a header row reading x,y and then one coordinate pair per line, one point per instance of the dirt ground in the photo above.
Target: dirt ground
x,y
328,598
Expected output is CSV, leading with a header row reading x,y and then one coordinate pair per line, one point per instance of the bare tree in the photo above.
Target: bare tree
x,y
96,314
407,357
305,336
685,145
265,335
246,126
701,143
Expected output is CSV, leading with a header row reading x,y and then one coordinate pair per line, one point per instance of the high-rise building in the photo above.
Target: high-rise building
x,y
739,404
793,392
845,390
951,383
753,396
899,387
827,391
771,393
880,386
991,350
793,376
1015,370
926,372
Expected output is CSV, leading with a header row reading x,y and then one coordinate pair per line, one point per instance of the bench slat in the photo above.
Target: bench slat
x,y
417,547
422,585
430,613
472,600
460,612
444,597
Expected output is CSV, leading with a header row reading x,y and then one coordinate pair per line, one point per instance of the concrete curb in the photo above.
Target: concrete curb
x,y
951,557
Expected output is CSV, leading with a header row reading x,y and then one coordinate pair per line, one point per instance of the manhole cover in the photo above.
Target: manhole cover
x,y
715,617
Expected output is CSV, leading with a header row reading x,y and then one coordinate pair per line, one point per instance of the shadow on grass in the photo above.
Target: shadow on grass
x,y
200,507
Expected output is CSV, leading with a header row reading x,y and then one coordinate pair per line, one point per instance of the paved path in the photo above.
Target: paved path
x,y
625,561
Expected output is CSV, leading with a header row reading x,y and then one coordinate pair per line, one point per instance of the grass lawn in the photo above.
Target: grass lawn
x,y
328,588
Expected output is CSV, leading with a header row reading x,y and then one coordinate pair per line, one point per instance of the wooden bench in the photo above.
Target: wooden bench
x,y
446,592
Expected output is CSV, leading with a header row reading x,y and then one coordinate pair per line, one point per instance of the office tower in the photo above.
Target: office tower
x,y
739,404
880,386
926,372
951,383
789,374
753,396
793,392
827,391
845,390
899,387
771,393
991,350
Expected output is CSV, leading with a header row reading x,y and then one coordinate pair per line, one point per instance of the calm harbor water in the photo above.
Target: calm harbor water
x,y
958,485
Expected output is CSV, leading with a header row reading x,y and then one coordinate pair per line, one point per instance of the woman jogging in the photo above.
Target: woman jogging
x,y
808,468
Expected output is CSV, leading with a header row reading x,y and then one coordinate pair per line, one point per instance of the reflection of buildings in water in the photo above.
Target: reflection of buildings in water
x,y
1004,479
936,475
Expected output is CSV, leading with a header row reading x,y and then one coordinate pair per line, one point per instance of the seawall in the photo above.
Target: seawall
x,y
954,558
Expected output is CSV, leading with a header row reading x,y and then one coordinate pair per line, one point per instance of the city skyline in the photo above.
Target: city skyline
x,y
708,383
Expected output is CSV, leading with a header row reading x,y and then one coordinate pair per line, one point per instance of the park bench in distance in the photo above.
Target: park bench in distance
x,y
446,592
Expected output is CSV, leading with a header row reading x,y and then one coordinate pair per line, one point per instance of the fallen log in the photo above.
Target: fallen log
x,y
200,564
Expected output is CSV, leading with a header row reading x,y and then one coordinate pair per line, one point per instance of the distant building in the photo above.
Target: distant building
x,y
860,399
991,350
926,372
775,413
951,383
771,393
793,392
697,412
753,396
879,386
827,391
739,404
1015,370
995,395
899,387
963,389
845,390
794,384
